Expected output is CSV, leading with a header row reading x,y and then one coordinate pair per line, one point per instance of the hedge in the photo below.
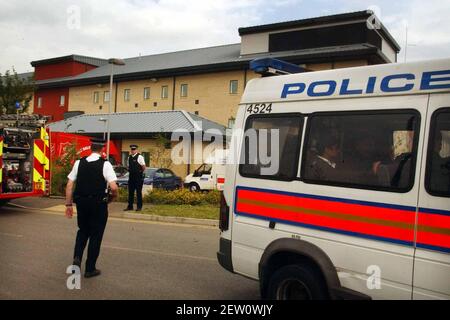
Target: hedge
x,y
176,197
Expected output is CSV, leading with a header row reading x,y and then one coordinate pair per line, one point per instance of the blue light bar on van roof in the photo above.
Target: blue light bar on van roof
x,y
271,67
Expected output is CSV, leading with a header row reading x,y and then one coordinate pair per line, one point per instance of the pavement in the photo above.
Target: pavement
x,y
55,204
139,260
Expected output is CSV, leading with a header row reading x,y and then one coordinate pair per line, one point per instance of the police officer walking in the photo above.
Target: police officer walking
x,y
93,175
136,169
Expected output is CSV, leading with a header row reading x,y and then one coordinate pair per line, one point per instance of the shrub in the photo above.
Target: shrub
x,y
122,195
60,169
176,197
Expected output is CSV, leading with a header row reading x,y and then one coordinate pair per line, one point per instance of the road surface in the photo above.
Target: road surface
x,y
139,260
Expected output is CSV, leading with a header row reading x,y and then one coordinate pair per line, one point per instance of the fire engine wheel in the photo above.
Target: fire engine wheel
x,y
297,282
193,187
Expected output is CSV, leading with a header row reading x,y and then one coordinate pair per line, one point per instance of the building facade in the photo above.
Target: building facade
x,y
208,81
204,82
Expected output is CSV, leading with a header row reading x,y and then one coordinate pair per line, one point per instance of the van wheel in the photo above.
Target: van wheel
x,y
193,187
297,282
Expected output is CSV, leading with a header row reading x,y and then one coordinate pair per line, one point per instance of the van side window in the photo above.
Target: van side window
x,y
271,146
366,150
437,176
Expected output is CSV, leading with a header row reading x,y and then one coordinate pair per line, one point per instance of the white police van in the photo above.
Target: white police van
x,y
355,200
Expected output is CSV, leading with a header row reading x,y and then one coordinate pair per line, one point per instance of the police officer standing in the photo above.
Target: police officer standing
x,y
136,168
93,175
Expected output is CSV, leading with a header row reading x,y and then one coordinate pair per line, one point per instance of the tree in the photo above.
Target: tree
x,y
160,153
61,168
15,89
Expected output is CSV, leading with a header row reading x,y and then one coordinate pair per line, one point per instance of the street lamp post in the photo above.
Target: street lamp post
x,y
104,120
112,62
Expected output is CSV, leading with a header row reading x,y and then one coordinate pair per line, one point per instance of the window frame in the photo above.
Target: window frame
x,y
147,90
237,87
414,151
106,93
126,95
288,115
233,120
62,98
39,102
185,95
96,97
164,89
432,135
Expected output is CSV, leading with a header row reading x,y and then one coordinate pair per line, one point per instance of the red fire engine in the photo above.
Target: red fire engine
x,y
24,157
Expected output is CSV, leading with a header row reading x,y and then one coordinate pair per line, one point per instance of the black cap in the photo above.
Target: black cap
x,y
98,142
134,146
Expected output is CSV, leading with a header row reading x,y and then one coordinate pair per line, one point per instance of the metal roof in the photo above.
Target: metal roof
x,y
74,57
135,123
225,57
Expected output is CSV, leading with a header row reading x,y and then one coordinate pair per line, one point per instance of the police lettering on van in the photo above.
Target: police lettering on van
x,y
389,84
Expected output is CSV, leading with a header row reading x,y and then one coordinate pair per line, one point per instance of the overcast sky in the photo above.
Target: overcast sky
x,y
39,29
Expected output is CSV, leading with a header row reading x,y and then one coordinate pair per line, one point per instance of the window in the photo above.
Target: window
x,y
96,97
271,146
231,123
159,174
164,92
62,101
184,90
203,169
362,150
234,86
126,94
438,162
106,96
146,93
168,173
39,102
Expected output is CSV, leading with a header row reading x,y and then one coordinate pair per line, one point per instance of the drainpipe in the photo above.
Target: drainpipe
x,y
115,102
173,94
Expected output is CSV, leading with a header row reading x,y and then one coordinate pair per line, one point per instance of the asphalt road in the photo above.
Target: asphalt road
x,y
139,260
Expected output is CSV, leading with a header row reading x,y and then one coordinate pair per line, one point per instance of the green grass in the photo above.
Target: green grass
x,y
184,211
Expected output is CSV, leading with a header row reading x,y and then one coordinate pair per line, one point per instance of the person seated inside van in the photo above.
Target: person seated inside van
x,y
323,167
359,155
395,173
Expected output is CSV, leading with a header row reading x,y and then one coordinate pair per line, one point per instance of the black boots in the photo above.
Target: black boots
x,y
92,274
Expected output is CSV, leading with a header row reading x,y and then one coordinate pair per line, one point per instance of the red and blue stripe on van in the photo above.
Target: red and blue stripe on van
x,y
370,220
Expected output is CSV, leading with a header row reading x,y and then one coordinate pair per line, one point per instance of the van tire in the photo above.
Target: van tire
x,y
193,187
297,282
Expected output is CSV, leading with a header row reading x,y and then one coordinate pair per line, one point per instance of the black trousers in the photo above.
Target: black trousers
x,y
135,185
92,216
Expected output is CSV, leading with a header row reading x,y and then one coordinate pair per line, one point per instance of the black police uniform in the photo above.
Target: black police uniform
x,y
135,181
92,210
